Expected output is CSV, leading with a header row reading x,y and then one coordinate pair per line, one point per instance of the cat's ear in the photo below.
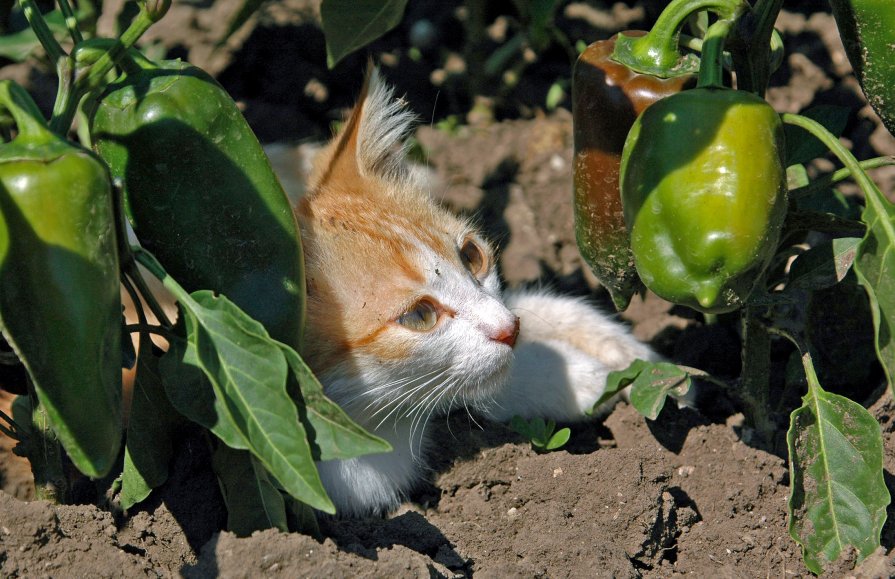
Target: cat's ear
x,y
372,142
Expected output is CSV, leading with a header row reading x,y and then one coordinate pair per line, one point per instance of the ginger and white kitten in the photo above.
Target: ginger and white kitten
x,y
406,319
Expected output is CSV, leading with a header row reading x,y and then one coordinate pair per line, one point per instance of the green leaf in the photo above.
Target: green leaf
x,y
539,431
802,146
838,497
334,434
150,433
559,439
653,385
247,371
875,268
824,265
253,501
352,24
618,380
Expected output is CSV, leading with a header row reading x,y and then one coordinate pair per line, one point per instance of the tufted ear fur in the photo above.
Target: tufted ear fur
x,y
372,142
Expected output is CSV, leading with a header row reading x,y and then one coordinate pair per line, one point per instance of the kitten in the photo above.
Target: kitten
x,y
406,318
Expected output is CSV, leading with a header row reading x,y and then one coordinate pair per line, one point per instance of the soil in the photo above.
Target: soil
x,y
693,492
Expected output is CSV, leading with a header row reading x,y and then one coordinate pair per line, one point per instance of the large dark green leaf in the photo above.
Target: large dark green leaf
x,y
352,24
875,267
247,371
334,434
838,496
150,433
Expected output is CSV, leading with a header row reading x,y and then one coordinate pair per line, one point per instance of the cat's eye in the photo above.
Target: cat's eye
x,y
422,317
473,257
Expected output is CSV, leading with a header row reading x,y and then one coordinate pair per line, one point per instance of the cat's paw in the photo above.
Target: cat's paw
x,y
551,379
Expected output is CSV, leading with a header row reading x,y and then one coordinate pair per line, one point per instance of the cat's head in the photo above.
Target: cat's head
x,y
404,305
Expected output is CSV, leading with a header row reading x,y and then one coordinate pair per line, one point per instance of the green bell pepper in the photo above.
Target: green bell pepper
x,y
704,194
200,192
60,306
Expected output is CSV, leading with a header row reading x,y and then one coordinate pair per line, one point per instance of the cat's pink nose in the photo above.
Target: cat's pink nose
x,y
508,335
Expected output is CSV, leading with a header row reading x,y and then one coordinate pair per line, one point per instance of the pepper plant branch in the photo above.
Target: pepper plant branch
x,y
6,430
149,261
71,21
711,67
824,182
133,272
872,194
146,328
657,52
750,45
65,96
92,77
41,30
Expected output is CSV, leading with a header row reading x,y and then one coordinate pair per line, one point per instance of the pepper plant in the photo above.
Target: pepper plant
x,y
173,156
715,199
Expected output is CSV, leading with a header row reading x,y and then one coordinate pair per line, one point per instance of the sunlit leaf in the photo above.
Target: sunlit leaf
x,y
247,371
559,439
838,496
875,267
333,433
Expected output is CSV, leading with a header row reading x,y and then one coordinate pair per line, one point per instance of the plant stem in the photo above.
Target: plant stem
x,y
92,77
872,194
750,45
711,66
41,30
840,175
71,21
657,52
145,328
50,482
66,96
149,261
703,375
756,374
8,428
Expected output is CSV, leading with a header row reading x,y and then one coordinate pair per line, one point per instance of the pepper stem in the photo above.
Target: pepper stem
x,y
711,67
657,52
28,118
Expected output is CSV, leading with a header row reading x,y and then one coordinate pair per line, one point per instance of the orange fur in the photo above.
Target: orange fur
x,y
356,225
